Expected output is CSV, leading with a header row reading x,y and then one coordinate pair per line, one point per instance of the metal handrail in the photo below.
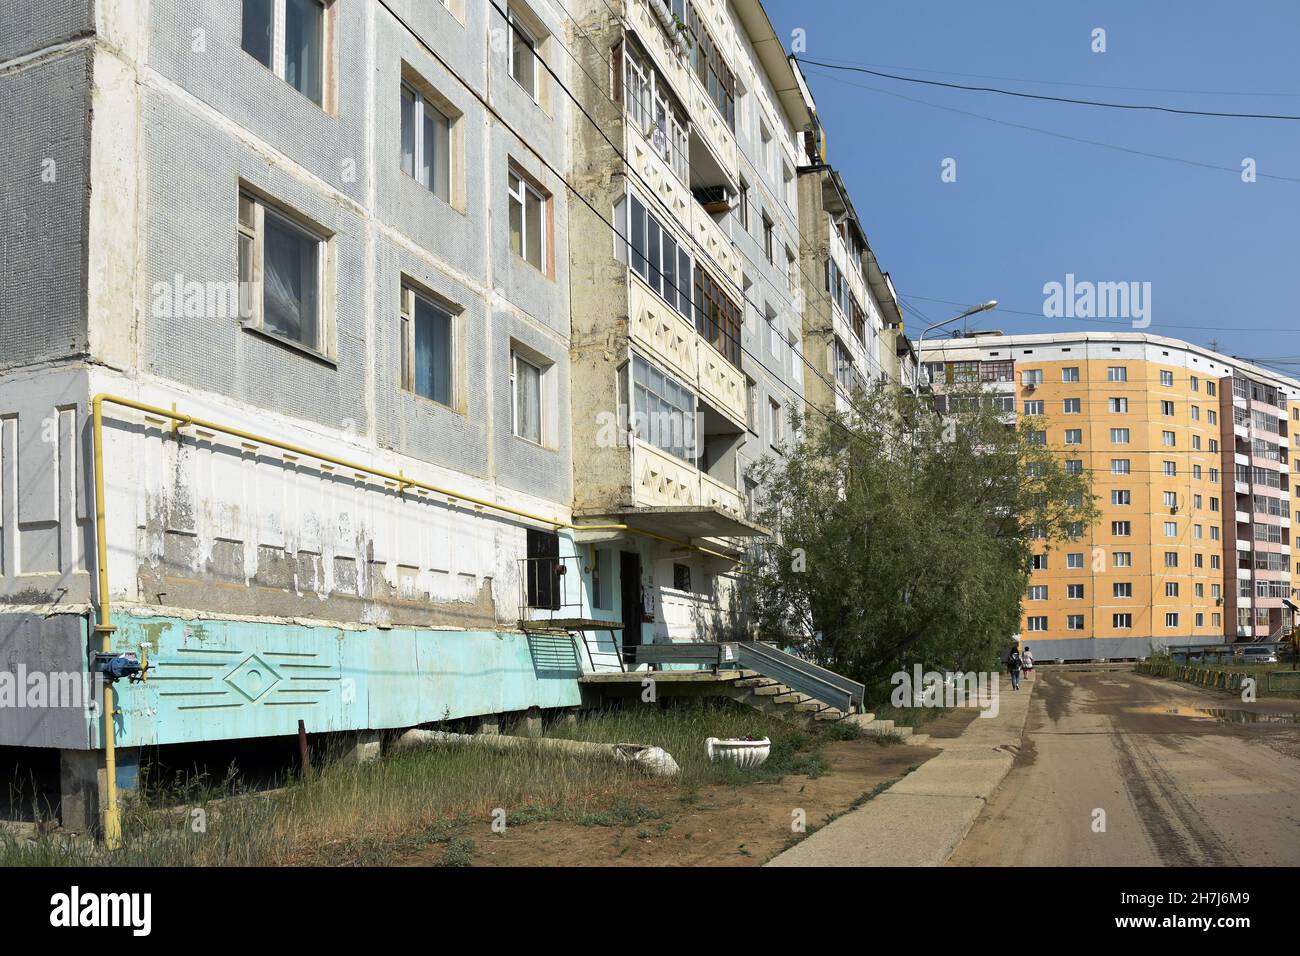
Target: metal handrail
x,y
801,675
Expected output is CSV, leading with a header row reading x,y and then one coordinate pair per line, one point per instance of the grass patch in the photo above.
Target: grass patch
x,y
353,814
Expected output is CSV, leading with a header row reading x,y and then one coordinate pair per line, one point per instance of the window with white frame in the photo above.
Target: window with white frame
x,y
428,347
426,142
288,38
282,275
663,410
529,214
775,429
526,385
523,55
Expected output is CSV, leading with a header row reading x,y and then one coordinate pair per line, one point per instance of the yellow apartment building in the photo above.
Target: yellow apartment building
x,y
1192,456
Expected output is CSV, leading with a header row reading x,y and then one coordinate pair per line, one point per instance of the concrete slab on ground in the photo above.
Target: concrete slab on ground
x,y
921,820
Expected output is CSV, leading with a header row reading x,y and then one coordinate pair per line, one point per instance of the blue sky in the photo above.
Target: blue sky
x,y
1027,208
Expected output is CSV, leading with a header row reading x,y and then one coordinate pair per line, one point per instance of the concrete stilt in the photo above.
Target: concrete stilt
x,y
363,746
83,785
531,725
489,724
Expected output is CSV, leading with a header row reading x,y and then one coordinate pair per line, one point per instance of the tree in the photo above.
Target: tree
x,y
903,537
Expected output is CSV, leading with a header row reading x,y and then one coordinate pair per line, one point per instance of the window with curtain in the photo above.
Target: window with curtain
x,y
528,399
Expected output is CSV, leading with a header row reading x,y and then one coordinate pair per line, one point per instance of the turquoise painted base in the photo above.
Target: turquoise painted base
x,y
215,679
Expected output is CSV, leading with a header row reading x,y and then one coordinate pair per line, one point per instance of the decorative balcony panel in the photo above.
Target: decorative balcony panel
x,y
662,479
653,169
718,495
719,247
722,383
662,332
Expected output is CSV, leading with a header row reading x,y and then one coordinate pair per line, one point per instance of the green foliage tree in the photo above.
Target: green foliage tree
x,y
901,536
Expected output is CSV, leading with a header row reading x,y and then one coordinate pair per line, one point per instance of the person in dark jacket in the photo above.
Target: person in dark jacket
x,y
1013,665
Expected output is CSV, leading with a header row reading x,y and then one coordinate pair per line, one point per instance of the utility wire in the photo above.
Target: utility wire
x,y
1043,96
1093,86
1056,135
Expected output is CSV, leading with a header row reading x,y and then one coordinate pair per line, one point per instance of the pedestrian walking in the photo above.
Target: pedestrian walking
x,y
1027,662
1013,666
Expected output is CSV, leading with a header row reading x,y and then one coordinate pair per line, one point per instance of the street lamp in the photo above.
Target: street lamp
x,y
985,307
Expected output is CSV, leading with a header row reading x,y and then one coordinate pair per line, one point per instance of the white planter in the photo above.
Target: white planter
x,y
743,753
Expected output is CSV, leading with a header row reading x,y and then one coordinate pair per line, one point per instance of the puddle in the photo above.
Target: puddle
x,y
1228,715
1251,716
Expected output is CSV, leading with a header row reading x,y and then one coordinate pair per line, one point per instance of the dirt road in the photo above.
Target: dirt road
x,y
1182,776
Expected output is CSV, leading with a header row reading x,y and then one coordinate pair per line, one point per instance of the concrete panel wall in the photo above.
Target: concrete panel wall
x,y
44,489
45,118
37,651
29,26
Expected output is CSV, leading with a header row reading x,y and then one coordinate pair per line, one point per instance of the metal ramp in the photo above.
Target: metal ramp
x,y
801,676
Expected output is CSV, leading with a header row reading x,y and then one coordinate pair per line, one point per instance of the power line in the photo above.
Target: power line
x,y
1043,96
1094,86
1056,135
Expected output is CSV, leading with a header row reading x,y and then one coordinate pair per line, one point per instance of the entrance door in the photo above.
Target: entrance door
x,y
629,575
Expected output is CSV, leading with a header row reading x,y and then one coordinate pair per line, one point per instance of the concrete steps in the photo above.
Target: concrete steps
x,y
772,697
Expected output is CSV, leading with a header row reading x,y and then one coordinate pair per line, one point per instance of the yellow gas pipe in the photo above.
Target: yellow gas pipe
x,y
105,628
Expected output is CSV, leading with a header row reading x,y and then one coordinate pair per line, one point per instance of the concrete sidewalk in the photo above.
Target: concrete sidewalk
x,y
920,820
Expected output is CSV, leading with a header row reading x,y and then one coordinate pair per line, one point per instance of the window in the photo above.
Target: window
x,y
528,215
1171,469
1034,408
796,366
769,245
1072,406
1069,375
1074,622
1167,379
1123,559
774,429
1171,529
1169,439
664,411
1121,622
523,56
1074,466
1038,562
526,384
1119,405
708,63
1074,560
288,38
1074,436
1171,559
681,577
426,143
1172,589
544,582
428,341
1121,529
717,318
1117,373
602,580
1121,497
1122,589
654,254
1119,436
744,205
1074,592
281,275
1038,592
1121,466
1037,438
1171,619
1036,624
1031,377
